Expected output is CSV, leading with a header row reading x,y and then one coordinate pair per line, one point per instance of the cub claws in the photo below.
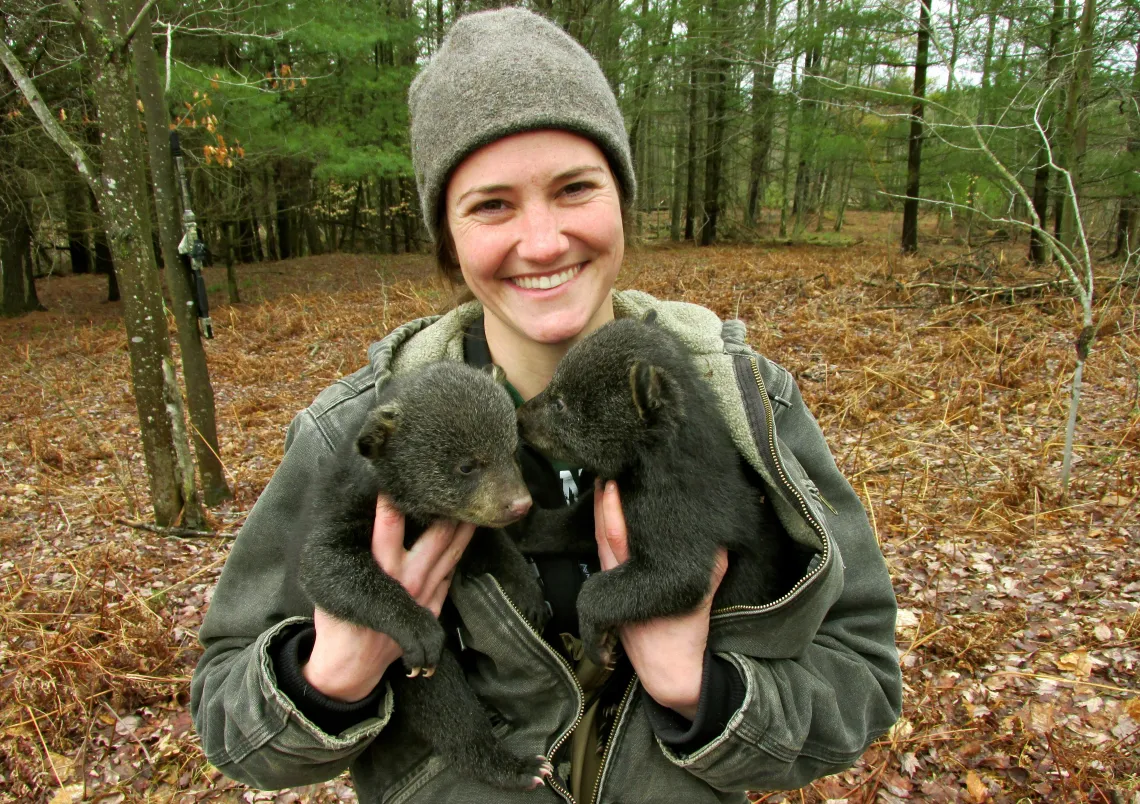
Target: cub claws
x,y
546,769
415,671
428,671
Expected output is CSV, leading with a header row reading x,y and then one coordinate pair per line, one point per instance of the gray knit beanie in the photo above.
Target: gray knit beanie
x,y
503,72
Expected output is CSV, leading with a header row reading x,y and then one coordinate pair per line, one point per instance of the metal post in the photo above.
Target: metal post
x,y
191,244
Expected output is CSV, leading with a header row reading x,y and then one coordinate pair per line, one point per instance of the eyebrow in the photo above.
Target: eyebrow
x,y
572,173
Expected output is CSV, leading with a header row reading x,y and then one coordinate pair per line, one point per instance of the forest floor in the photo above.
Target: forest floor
x,y
1019,626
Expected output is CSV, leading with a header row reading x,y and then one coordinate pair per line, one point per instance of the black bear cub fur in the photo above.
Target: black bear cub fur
x,y
441,444
628,404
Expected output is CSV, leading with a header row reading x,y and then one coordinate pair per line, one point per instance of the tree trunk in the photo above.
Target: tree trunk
x,y
410,220
691,155
714,148
1130,200
955,19
786,160
354,216
13,254
844,191
123,205
180,283
31,298
305,204
250,222
269,199
244,239
1075,136
78,217
232,294
104,260
283,196
914,152
809,116
637,139
676,203
763,113
1037,250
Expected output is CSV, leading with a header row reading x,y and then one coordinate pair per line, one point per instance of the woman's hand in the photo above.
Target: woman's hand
x,y
348,660
668,653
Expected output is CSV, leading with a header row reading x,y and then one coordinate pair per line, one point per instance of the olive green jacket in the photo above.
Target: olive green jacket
x,y
819,665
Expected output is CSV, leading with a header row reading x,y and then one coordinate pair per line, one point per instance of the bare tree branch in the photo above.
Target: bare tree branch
x,y
143,14
50,124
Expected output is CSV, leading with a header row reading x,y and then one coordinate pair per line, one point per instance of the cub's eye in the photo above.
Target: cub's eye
x,y
559,404
467,467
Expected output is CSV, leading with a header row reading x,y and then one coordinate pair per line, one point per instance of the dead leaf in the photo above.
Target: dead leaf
x,y
127,725
68,795
1077,663
1038,717
906,620
976,788
909,764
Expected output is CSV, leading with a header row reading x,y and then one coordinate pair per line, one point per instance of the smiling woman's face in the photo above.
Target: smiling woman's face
x,y
536,223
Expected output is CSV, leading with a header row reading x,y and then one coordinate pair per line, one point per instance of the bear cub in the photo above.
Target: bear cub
x,y
628,404
441,444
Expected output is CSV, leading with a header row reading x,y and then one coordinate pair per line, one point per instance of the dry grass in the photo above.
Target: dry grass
x,y
947,418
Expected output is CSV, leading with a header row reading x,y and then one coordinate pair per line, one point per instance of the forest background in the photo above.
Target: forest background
x,y
928,212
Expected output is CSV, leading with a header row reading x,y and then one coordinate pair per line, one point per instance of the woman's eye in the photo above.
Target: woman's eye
x,y
577,188
491,205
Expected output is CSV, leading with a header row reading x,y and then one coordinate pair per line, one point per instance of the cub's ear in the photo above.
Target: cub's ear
x,y
650,318
496,372
378,428
653,391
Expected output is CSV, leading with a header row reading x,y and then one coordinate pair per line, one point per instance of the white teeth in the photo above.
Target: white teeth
x,y
546,282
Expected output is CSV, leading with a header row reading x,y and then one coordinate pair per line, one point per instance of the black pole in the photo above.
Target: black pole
x,y
192,245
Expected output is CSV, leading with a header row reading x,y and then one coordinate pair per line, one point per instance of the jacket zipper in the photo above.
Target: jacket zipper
x,y
581,693
770,418
613,738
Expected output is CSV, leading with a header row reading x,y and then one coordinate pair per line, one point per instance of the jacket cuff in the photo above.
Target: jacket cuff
x,y
331,716
722,694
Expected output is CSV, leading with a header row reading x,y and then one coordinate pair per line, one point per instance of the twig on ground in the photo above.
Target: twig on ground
x,y
181,533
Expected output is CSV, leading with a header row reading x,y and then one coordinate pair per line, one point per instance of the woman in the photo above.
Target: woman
x,y
524,170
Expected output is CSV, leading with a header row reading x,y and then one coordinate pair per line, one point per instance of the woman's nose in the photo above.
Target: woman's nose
x,y
542,238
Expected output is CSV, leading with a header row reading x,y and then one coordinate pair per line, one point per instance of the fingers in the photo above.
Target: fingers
x,y
720,567
437,595
615,522
444,564
609,526
387,534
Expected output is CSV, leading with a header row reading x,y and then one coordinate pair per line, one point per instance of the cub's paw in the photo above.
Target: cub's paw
x,y
422,647
520,773
528,599
600,646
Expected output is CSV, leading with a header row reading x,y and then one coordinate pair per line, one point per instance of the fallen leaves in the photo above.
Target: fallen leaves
x,y
1018,628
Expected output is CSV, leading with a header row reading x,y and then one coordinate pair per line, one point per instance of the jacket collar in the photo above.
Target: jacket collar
x,y
440,337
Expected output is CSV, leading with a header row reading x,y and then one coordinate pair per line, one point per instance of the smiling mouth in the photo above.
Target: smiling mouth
x,y
549,281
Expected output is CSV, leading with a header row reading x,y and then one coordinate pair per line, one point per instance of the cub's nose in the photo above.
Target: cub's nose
x,y
518,508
